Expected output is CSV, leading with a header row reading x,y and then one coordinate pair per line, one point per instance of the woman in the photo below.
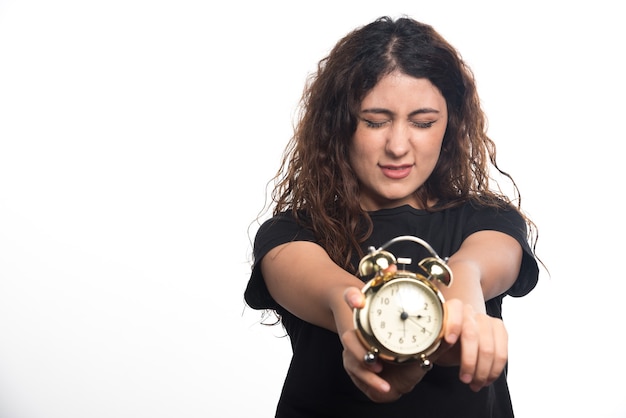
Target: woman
x,y
391,141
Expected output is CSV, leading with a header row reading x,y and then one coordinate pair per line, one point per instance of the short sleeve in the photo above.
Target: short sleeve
x,y
276,231
510,222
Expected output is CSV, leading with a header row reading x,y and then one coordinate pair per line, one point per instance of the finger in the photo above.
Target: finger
x,y
454,320
486,352
356,352
501,354
354,297
375,387
391,269
469,345
365,375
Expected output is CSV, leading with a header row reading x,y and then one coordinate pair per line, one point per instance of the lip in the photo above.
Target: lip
x,y
396,172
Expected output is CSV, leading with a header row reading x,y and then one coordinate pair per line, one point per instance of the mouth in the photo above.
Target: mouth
x,y
396,171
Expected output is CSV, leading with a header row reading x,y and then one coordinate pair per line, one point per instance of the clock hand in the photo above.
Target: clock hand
x,y
403,327
415,320
404,315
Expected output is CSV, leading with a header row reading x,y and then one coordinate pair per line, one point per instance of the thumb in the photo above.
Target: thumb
x,y
354,297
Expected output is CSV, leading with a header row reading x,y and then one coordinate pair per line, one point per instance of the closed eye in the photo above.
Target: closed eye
x,y
373,124
423,125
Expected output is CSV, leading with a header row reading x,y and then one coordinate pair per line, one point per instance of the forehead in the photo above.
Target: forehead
x,y
397,89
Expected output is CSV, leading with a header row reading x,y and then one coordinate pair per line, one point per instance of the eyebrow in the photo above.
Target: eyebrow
x,y
378,110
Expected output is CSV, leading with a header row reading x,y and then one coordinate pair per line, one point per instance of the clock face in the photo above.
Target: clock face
x,y
405,316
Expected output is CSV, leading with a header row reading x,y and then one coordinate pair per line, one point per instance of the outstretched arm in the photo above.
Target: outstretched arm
x,y
303,279
485,266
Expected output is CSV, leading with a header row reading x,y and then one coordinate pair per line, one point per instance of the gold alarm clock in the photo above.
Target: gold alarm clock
x,y
404,312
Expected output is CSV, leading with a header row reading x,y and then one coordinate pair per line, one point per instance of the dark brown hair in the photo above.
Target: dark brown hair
x,y
315,176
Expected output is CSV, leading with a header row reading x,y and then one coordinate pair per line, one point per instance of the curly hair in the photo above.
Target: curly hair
x,y
315,176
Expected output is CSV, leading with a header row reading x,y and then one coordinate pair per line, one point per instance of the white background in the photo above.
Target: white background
x,y
136,141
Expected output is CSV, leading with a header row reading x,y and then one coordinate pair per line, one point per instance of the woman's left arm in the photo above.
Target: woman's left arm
x,y
485,266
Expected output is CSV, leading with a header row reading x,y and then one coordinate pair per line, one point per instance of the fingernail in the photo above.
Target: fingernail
x,y
466,378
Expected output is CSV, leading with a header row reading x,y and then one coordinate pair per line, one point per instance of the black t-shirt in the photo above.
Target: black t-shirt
x,y
317,384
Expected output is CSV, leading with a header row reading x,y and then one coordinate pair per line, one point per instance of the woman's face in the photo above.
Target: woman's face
x,y
397,140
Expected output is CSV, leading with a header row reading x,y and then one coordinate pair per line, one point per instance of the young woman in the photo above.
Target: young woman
x,y
391,142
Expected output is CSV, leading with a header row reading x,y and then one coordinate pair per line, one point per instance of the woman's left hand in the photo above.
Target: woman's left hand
x,y
482,350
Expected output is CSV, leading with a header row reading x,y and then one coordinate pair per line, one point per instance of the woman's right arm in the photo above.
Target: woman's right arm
x,y
303,279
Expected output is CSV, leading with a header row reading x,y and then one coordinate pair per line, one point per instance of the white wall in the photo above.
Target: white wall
x,y
136,139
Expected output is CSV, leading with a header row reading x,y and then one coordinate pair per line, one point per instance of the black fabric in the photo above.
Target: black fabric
x,y
317,384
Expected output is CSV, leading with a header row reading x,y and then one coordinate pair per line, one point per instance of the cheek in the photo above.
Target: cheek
x,y
358,150
436,149
355,160
436,143
429,149
435,153
361,159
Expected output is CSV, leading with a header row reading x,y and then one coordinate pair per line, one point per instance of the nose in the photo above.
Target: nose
x,y
398,140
